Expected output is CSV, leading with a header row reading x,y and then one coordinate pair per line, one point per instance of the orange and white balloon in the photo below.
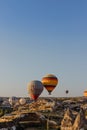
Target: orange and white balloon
x,y
50,81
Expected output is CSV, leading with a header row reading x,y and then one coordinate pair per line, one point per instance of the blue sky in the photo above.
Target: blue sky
x,y
38,37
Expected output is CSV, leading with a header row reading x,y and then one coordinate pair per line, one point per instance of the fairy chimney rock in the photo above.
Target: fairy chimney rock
x,y
80,121
68,120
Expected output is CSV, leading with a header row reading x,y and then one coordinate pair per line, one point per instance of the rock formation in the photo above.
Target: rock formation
x,y
68,120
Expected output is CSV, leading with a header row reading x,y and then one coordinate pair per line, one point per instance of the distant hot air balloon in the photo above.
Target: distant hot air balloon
x,y
67,91
12,100
22,101
50,81
35,88
85,93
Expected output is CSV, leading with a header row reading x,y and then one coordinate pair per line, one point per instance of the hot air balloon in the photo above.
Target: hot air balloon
x,y
85,93
35,88
50,81
22,101
12,100
67,91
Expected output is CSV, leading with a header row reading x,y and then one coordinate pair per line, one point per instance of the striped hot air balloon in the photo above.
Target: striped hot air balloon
x,y
50,81
85,93
35,88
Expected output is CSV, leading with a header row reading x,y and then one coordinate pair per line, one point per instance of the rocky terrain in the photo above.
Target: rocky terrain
x,y
45,113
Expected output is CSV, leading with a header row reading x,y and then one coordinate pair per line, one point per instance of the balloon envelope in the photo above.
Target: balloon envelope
x,y
22,101
67,91
50,81
13,100
85,93
35,88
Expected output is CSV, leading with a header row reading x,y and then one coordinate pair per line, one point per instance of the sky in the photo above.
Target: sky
x,y
39,37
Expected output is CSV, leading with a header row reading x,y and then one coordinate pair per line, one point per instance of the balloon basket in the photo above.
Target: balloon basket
x,y
49,93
